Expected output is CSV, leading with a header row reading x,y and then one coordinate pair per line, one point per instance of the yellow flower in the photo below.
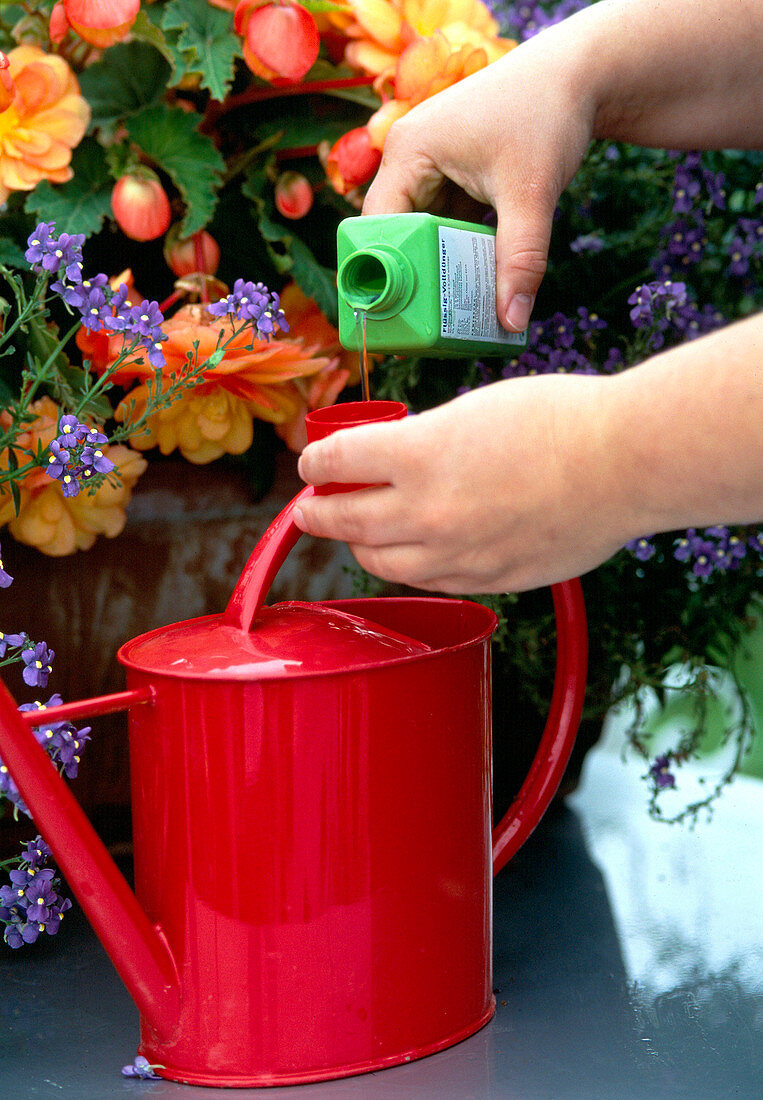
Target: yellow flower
x,y
45,120
254,379
59,525
383,29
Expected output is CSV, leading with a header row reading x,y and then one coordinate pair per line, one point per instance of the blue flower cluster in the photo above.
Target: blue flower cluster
x,y
30,904
664,306
717,549
93,299
61,740
697,190
563,345
252,302
35,656
76,455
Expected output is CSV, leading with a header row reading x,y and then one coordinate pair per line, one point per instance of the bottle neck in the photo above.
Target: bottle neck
x,y
377,280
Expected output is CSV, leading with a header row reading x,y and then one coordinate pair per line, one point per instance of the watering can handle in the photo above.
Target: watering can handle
x,y
264,562
561,725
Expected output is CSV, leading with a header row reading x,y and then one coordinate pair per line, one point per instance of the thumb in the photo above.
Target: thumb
x,y
521,256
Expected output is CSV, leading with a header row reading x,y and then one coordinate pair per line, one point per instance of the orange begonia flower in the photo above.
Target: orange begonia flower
x,y
45,120
99,22
281,40
254,379
352,160
414,48
426,67
7,87
382,29
59,525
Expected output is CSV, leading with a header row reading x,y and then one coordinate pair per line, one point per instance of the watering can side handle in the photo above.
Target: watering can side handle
x,y
87,708
264,562
137,948
561,726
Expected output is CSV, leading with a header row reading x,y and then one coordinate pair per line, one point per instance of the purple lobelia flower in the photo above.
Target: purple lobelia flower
x,y
49,254
58,461
31,905
39,243
715,184
660,773
70,430
36,851
252,302
686,188
94,309
93,458
642,548
12,640
6,580
77,294
142,1068
38,664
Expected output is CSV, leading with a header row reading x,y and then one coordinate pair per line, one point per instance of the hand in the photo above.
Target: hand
x,y
511,136
490,492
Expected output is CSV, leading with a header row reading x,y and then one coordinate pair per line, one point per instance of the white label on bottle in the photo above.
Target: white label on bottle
x,y
467,288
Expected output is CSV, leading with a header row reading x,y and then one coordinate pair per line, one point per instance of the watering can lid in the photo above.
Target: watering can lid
x,y
287,639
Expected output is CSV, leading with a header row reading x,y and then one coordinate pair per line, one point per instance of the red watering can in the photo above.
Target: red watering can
x,y
311,789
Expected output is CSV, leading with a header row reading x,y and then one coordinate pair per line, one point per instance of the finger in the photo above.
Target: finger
x,y
364,454
521,254
398,563
407,179
364,517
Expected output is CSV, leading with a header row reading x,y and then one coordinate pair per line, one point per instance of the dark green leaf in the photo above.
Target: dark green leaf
x,y
168,135
205,43
80,205
10,253
318,282
131,76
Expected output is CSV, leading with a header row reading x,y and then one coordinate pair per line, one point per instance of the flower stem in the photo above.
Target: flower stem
x,y
216,110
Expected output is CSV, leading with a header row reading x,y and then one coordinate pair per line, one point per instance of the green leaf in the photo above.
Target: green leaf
x,y
318,282
132,76
10,253
205,43
147,29
80,205
169,137
315,6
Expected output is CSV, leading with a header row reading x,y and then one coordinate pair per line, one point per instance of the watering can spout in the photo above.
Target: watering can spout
x,y
136,946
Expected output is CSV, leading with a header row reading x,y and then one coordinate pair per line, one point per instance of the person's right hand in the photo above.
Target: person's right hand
x,y
512,136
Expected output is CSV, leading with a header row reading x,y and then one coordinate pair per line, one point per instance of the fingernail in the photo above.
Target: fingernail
x,y
298,518
518,313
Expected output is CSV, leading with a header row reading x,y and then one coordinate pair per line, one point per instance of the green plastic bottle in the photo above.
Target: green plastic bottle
x,y
425,284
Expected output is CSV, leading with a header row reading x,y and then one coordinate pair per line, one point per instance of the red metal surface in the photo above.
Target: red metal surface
x,y
295,838
561,726
313,851
324,422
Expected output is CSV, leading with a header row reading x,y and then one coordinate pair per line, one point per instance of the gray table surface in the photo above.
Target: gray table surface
x,y
628,965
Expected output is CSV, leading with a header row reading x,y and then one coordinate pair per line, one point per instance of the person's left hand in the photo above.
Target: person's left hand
x,y
496,490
